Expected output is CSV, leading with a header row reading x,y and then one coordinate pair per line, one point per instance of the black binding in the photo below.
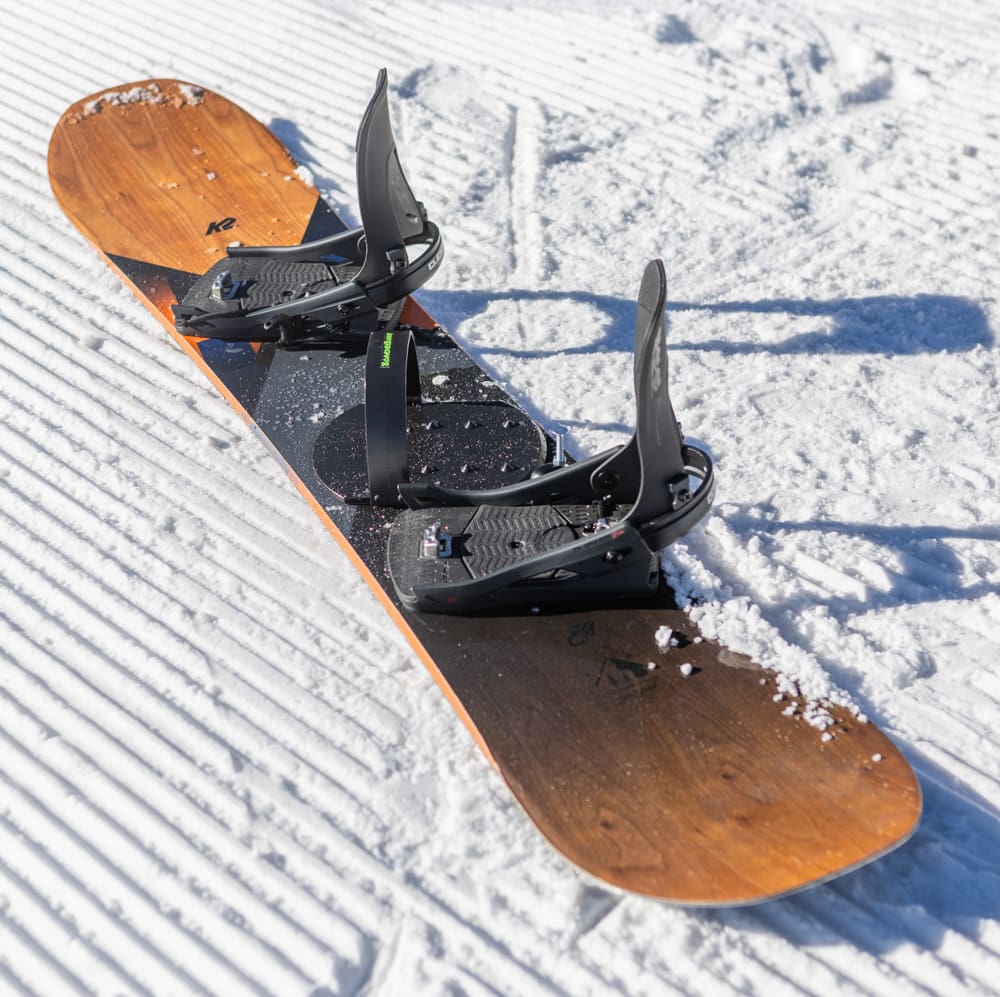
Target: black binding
x,y
327,289
589,530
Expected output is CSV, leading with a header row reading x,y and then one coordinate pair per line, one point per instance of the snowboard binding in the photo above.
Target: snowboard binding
x,y
332,289
588,530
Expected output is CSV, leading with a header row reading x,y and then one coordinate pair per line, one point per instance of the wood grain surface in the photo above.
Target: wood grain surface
x,y
145,170
699,785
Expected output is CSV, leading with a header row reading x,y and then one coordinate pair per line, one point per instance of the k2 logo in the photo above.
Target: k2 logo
x,y
223,225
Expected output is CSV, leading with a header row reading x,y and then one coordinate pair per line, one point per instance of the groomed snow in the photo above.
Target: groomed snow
x,y
223,771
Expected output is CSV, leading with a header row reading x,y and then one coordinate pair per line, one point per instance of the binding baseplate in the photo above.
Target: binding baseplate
x,y
588,530
327,290
409,429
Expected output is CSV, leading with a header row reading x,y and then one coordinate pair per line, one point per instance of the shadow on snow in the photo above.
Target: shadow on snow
x,y
880,324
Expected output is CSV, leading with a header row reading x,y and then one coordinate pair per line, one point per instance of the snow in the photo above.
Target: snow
x,y
222,770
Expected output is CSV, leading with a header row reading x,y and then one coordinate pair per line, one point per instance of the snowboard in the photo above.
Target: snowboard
x,y
674,768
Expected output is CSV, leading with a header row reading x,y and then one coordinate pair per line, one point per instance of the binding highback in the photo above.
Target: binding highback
x,y
390,214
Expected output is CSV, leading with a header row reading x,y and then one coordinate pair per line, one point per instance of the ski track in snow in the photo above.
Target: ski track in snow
x,y
221,768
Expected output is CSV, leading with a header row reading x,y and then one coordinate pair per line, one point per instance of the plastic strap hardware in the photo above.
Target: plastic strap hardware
x,y
392,383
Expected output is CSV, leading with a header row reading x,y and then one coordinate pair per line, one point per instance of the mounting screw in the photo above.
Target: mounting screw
x,y
559,432
222,286
613,557
680,491
607,481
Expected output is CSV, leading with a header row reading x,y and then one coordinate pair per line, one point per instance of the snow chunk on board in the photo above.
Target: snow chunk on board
x,y
737,623
152,93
